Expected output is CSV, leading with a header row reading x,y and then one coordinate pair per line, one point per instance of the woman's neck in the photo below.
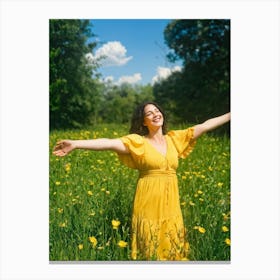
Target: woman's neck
x,y
156,134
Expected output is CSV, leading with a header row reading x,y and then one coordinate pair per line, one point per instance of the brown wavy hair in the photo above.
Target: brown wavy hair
x,y
137,120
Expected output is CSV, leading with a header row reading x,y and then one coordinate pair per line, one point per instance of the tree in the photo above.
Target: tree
x,y
202,88
73,90
119,101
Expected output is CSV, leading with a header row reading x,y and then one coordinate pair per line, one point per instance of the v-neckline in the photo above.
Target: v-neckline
x,y
166,142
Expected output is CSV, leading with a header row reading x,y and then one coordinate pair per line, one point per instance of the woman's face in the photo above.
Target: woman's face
x,y
152,116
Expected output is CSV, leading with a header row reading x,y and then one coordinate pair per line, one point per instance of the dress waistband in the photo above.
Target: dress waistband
x,y
156,173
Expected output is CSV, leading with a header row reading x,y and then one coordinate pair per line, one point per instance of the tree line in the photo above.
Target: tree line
x,y
79,98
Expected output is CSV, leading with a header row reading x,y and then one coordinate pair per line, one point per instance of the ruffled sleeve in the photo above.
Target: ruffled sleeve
x,y
183,141
135,145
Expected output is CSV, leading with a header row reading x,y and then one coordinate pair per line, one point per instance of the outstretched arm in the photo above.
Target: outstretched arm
x,y
210,125
64,147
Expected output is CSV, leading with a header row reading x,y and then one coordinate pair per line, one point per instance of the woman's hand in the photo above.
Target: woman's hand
x,y
63,148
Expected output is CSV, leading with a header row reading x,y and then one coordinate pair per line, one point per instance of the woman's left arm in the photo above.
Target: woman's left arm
x,y
210,124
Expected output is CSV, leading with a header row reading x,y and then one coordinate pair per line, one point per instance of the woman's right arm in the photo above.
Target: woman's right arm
x,y
64,147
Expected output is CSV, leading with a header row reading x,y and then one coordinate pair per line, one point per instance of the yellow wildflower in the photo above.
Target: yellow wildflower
x,y
115,224
184,177
201,229
191,203
81,246
60,210
67,167
122,244
225,229
90,193
93,241
227,241
220,184
57,183
200,192
62,225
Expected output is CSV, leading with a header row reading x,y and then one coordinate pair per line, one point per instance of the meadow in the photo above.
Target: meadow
x,y
91,196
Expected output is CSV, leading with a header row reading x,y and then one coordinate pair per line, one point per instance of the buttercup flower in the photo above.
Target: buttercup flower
x,y
93,241
200,229
115,224
122,244
67,167
80,246
90,193
227,241
225,229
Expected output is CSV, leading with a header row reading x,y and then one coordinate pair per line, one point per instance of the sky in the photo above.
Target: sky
x,y
135,50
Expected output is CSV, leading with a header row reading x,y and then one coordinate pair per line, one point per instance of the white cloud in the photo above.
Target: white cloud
x,y
133,79
164,73
112,54
130,79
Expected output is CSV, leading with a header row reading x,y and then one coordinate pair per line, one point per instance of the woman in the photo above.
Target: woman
x,y
157,230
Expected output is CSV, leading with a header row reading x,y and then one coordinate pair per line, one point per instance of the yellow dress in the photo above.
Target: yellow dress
x,y
157,230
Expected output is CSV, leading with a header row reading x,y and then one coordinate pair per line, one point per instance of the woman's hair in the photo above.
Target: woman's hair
x,y
137,120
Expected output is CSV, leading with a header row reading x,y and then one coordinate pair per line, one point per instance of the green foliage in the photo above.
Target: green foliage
x,y
90,189
119,102
73,91
202,89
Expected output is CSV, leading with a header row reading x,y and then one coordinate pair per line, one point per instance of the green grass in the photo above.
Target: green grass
x,y
90,189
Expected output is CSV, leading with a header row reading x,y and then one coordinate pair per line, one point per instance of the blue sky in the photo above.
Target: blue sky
x,y
135,50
